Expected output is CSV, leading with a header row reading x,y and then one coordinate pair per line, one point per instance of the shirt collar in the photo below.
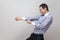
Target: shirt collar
x,y
46,14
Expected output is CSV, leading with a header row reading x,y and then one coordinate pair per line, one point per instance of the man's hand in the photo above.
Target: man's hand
x,y
18,18
28,21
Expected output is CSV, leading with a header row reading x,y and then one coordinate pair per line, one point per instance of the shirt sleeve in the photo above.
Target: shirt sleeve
x,y
33,23
31,18
23,18
42,24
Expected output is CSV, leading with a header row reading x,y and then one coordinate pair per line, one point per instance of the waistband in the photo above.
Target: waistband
x,y
37,34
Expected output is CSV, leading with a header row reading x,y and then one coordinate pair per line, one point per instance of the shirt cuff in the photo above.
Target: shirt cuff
x,y
33,23
23,18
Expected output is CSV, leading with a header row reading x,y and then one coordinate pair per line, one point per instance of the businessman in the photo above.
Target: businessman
x,y
41,22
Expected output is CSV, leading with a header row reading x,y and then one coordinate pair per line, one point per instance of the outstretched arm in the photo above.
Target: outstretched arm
x,y
41,24
27,18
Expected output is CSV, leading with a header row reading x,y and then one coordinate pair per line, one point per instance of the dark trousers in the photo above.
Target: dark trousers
x,y
35,37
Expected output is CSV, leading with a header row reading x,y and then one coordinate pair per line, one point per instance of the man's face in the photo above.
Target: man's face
x,y
42,11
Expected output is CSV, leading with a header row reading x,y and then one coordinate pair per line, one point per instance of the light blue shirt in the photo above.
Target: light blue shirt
x,y
41,23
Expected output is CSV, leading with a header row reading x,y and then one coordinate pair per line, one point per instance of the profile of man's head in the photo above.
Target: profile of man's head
x,y
43,8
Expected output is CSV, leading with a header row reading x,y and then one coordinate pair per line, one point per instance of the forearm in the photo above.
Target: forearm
x,y
31,18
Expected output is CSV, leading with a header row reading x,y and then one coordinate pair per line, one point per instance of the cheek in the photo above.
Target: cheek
x,y
42,11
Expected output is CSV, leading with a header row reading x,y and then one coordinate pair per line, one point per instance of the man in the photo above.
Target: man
x,y
41,22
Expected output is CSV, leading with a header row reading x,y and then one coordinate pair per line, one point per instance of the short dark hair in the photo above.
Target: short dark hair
x,y
43,5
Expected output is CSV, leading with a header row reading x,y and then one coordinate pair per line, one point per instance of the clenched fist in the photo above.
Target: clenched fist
x,y
18,18
28,21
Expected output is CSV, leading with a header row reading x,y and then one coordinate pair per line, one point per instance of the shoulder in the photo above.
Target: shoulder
x,y
50,16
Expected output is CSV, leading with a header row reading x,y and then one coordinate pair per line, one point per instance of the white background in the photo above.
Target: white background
x,y
13,30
